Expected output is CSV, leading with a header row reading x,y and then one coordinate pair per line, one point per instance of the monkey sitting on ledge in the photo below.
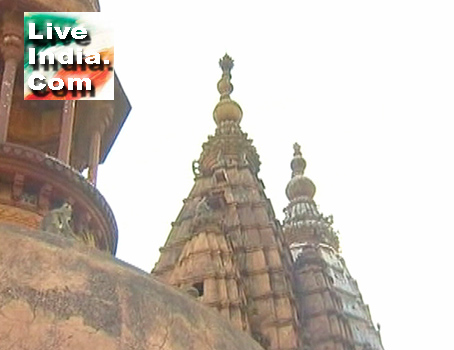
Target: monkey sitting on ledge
x,y
58,221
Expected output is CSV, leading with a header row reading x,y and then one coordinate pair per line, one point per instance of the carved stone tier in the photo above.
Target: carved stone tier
x,y
33,183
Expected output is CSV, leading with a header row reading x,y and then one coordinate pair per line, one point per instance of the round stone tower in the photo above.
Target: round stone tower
x,y
45,145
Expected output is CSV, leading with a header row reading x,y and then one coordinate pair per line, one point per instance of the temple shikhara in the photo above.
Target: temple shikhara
x,y
284,284
230,275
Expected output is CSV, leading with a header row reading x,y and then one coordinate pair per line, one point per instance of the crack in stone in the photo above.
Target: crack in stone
x,y
166,335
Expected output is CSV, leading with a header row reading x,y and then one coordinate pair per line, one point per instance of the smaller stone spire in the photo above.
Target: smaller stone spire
x,y
226,109
299,185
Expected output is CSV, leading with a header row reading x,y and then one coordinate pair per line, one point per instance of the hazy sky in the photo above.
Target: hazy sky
x,y
366,88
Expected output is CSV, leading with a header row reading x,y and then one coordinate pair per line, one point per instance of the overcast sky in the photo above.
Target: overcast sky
x,y
366,88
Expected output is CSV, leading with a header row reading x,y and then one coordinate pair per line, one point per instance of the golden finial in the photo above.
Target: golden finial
x,y
226,109
226,63
225,87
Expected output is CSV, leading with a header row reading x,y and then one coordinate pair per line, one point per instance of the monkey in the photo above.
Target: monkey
x,y
58,221
203,207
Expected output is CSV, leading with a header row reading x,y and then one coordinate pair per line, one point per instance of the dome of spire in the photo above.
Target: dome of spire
x,y
226,109
299,185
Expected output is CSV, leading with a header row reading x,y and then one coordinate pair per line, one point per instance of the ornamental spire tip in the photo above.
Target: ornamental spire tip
x,y
296,149
226,109
298,163
226,63
299,185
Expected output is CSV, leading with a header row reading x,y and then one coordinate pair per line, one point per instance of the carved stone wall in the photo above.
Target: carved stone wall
x,y
20,217
255,242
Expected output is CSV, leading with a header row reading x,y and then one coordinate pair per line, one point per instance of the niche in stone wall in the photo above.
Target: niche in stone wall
x,y
199,287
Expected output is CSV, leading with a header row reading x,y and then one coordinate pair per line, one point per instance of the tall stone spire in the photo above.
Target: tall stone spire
x,y
226,246
329,301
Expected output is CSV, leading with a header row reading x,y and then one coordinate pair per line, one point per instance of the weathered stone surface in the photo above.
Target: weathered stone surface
x,y
57,294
